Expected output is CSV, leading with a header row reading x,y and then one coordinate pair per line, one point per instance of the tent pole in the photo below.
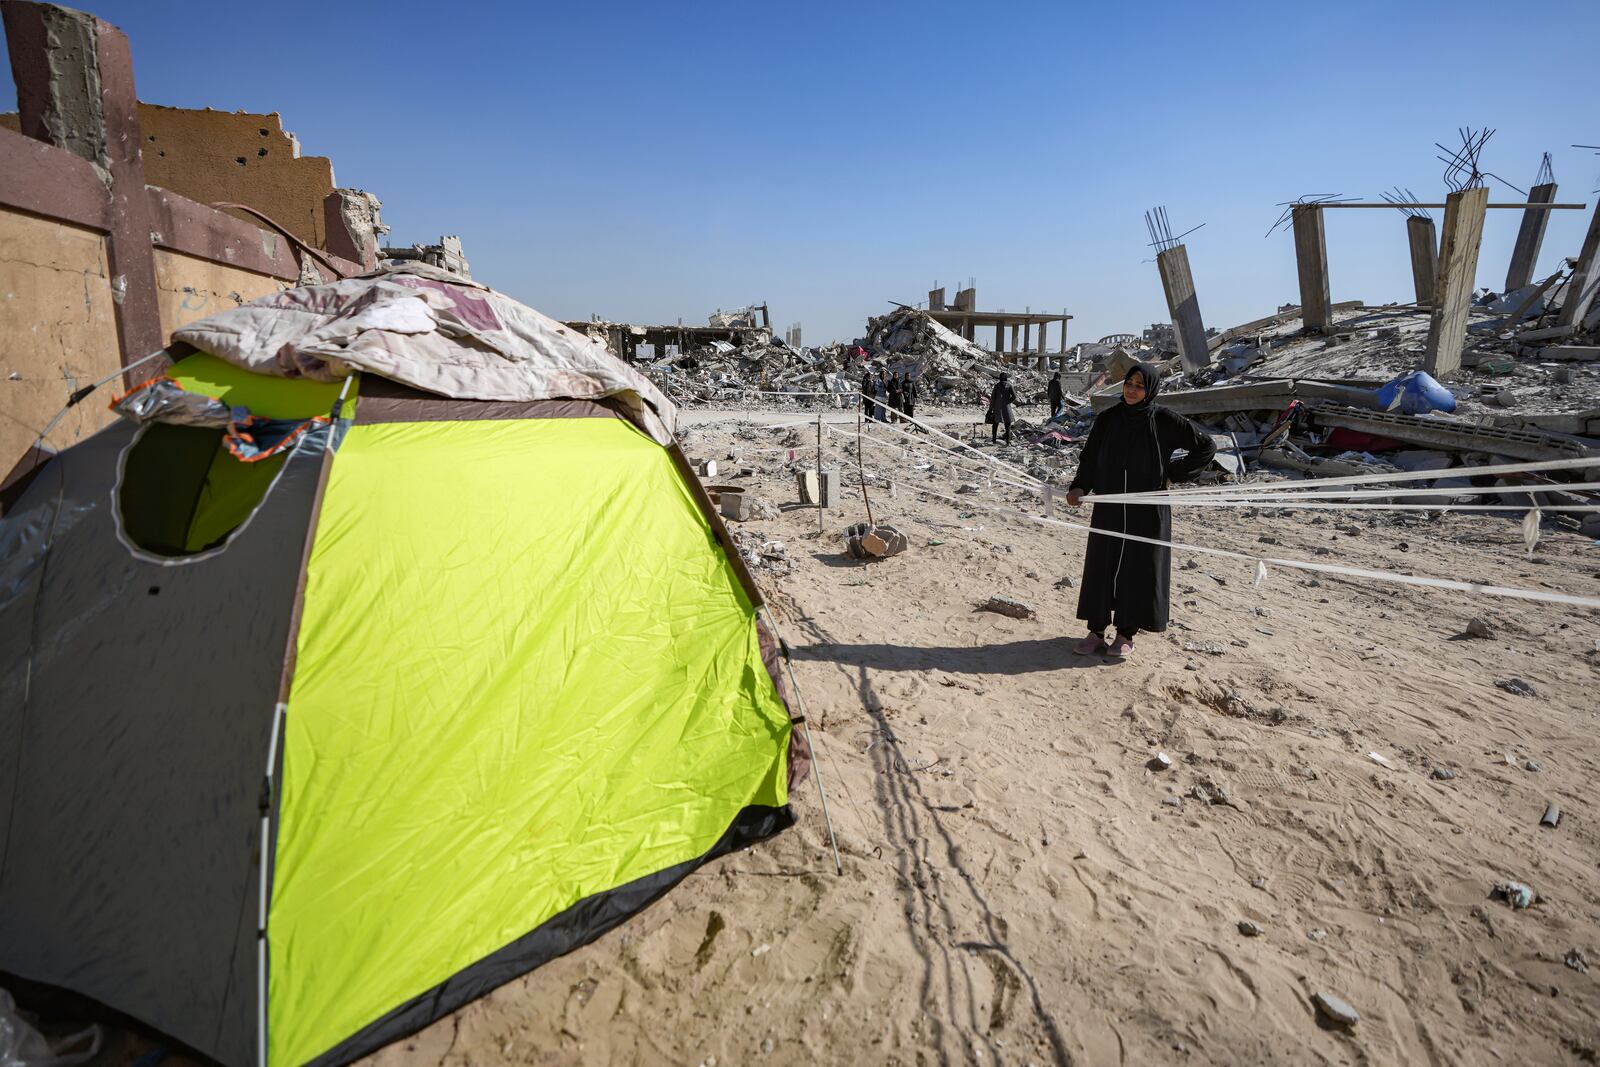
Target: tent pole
x,y
805,726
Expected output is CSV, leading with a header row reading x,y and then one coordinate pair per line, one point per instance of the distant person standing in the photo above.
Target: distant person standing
x,y
1001,397
869,408
908,394
1055,394
880,393
895,399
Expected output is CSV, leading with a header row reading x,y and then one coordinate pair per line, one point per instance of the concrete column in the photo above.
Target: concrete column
x,y
1016,344
1423,237
1530,236
1311,257
1063,348
1044,331
1585,279
1458,269
1184,307
999,335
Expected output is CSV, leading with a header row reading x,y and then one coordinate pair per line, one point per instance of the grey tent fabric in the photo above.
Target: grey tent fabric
x,y
138,703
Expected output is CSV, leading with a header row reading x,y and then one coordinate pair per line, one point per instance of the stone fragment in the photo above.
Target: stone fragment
x,y
1516,687
1004,605
1335,1010
1514,893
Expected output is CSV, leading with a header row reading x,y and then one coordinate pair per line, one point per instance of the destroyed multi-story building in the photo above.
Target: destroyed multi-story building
x,y
1028,329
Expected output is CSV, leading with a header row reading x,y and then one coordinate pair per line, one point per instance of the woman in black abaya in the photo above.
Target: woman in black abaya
x,y
1130,451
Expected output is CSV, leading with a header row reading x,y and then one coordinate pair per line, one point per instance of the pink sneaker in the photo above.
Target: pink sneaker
x,y
1092,645
1121,648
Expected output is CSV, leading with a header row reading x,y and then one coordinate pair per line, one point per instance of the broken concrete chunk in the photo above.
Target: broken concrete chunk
x,y
1159,762
1516,687
1004,605
1480,628
1514,893
868,541
1248,928
1443,774
818,487
1552,816
1335,1010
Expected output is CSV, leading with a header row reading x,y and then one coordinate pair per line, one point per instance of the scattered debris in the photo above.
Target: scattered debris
x,y
1516,686
1375,758
1004,605
1159,762
1249,929
1443,774
1514,893
1576,960
1552,816
1480,628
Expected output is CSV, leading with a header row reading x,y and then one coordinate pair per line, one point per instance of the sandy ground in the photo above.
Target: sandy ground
x,y
1019,887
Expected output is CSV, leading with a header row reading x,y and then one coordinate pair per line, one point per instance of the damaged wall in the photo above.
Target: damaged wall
x,y
189,289
57,329
215,156
239,157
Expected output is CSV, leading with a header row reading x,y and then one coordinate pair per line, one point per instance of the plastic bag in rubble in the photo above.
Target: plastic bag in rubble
x,y
23,1046
866,541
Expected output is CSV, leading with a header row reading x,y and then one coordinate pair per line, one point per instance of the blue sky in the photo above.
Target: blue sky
x,y
650,161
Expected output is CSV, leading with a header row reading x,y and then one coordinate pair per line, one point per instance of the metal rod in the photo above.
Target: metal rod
x,y
819,472
860,470
1518,207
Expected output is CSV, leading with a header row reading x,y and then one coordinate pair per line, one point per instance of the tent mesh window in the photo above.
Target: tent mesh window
x,y
183,493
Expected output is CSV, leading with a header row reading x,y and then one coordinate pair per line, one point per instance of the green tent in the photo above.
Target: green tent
x,y
321,723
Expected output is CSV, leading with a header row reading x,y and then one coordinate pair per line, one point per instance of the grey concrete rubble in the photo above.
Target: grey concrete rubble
x,y
1334,1010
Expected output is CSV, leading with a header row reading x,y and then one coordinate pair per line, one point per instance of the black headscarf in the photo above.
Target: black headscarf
x,y
1152,385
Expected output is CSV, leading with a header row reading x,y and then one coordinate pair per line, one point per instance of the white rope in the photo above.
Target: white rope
x,y
1397,476
1019,472
1330,505
1286,500
898,448
1295,564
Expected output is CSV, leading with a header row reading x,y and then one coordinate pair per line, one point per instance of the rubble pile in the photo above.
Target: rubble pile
x,y
949,368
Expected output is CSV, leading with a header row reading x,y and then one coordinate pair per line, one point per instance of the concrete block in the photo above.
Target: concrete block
x,y
738,506
1582,353
817,486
